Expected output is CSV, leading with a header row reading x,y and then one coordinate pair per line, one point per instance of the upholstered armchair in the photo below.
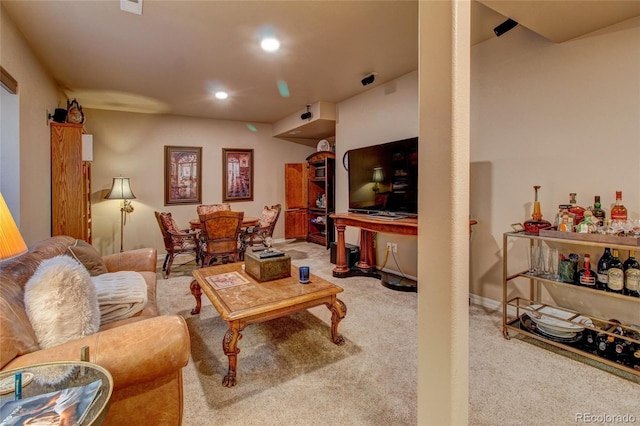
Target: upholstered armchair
x,y
220,236
264,228
176,241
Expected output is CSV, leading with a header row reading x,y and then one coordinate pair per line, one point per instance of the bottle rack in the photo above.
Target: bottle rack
x,y
516,309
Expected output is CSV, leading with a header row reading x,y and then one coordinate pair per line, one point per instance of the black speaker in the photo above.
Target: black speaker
x,y
507,25
352,254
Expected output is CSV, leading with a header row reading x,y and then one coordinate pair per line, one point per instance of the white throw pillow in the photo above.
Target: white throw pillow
x,y
61,302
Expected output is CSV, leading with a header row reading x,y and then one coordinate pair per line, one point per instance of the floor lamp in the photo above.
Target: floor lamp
x,y
121,190
11,242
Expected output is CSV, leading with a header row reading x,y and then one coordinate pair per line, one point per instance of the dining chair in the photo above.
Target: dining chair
x,y
210,208
263,230
176,241
220,236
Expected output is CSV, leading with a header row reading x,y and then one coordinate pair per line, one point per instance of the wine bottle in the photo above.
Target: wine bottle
x,y
597,211
605,343
618,211
603,262
632,276
615,273
586,276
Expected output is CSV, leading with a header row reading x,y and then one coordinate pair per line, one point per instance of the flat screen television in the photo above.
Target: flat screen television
x,y
383,179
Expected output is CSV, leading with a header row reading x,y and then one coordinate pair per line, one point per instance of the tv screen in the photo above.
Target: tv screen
x,y
383,179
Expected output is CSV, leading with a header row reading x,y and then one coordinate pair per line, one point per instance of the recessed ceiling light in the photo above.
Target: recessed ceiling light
x,y
270,44
221,95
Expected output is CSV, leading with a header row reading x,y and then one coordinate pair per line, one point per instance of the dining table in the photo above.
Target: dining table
x,y
247,221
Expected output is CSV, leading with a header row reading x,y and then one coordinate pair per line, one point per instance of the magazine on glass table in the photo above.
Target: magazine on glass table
x,y
63,407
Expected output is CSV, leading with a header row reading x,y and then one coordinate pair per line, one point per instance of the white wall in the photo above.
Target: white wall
x,y
563,116
37,93
132,145
384,113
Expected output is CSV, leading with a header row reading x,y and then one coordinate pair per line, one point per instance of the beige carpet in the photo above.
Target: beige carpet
x,y
289,372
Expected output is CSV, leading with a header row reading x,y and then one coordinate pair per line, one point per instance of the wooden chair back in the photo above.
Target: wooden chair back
x,y
220,234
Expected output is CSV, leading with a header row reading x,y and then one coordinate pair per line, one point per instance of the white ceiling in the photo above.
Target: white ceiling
x,y
170,57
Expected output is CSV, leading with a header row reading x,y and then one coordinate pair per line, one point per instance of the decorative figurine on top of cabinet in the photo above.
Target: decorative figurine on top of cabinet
x,y
74,112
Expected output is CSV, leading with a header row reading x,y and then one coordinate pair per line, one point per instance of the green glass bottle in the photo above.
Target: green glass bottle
x,y
597,211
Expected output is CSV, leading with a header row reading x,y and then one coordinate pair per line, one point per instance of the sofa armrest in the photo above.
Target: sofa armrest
x,y
144,259
134,353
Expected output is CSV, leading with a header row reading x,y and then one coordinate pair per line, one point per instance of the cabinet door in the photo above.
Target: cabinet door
x,y
295,184
68,206
295,223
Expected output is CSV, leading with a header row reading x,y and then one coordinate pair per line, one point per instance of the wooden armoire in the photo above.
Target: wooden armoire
x,y
70,183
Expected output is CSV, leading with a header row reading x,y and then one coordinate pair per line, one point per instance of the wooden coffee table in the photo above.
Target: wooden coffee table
x,y
248,301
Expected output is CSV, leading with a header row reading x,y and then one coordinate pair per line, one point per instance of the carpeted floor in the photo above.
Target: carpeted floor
x,y
289,372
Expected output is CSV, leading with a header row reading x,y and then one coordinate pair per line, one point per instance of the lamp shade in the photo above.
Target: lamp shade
x,y
120,190
378,174
11,242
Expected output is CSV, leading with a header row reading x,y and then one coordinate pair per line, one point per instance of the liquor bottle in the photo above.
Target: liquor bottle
x,y
632,276
615,273
577,210
603,262
564,225
605,343
618,211
597,211
586,276
536,223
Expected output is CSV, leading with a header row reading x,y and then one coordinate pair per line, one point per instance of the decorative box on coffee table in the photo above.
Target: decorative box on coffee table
x,y
267,268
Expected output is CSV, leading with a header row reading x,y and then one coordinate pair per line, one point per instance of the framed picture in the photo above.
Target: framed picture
x,y
237,175
182,175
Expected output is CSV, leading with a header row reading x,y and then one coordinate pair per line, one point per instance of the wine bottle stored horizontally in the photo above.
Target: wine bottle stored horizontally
x,y
632,276
615,273
601,268
586,275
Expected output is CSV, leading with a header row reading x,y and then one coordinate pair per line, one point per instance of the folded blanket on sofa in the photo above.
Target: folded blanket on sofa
x,y
120,295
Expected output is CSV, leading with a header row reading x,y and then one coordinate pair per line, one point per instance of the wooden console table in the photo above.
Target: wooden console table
x,y
368,225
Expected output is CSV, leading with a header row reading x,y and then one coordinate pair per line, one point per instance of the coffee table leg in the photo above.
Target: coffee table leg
x,y
338,311
230,348
196,290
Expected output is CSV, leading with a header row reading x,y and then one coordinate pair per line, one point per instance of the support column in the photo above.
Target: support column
x,y
443,230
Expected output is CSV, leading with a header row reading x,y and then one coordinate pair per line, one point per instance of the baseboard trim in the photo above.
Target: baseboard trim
x,y
490,304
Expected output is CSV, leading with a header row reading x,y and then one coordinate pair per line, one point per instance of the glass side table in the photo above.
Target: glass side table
x,y
76,373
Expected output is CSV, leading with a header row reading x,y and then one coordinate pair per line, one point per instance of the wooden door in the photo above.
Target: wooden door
x,y
295,198
68,202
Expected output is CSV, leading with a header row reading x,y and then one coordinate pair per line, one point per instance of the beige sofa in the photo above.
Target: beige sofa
x,y
144,354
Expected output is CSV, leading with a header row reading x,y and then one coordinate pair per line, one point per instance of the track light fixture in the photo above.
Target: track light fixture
x,y
306,115
507,25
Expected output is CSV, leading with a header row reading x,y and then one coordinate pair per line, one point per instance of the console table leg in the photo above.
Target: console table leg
x,y
196,291
341,269
366,262
230,348
338,311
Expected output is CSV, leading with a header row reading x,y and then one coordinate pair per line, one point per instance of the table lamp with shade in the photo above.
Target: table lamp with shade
x,y
378,176
121,190
11,242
